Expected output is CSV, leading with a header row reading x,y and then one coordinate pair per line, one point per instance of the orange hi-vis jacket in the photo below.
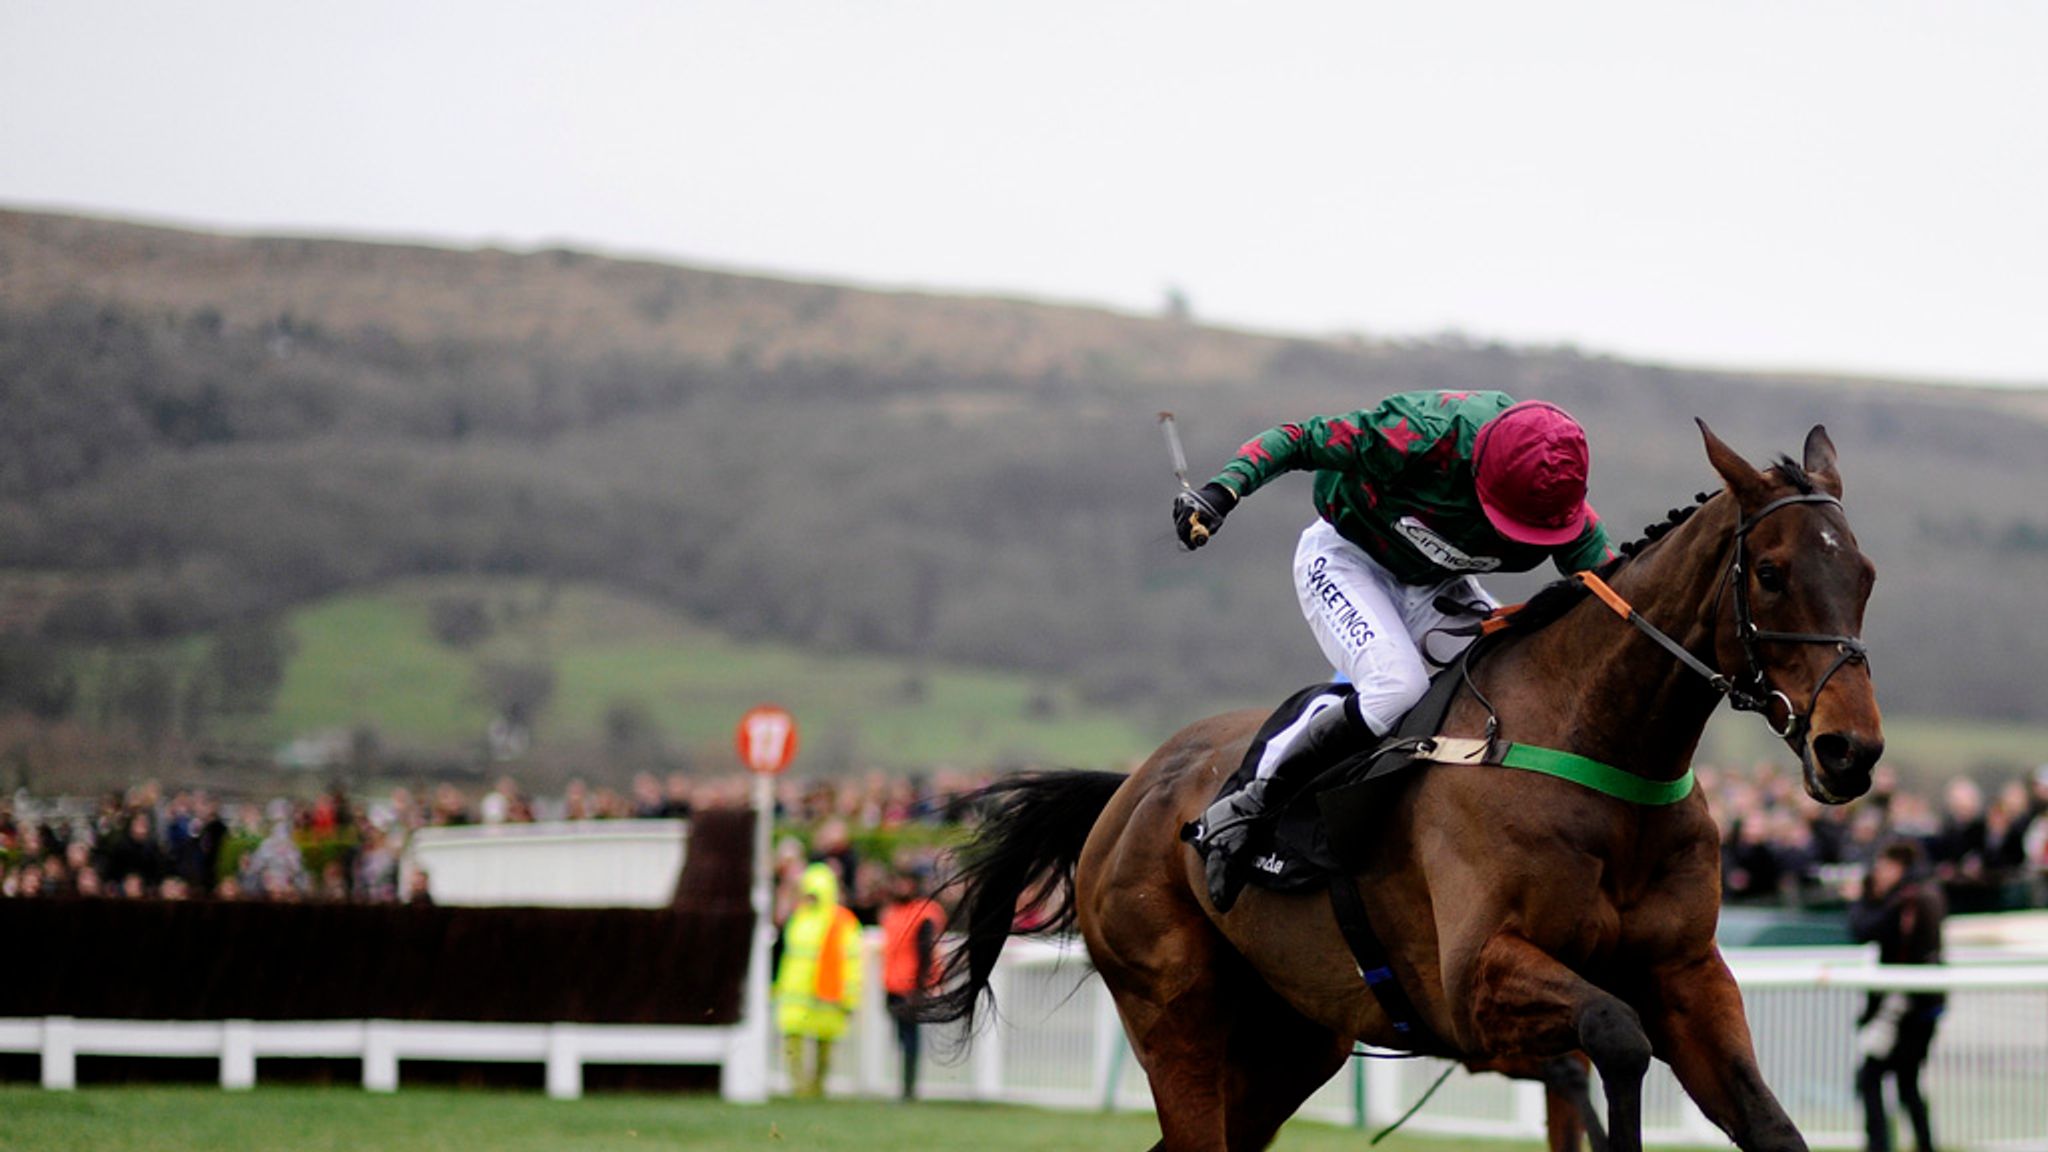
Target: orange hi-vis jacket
x,y
900,926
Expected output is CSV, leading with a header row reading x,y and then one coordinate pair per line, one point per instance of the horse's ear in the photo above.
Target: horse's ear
x,y
1742,479
1820,461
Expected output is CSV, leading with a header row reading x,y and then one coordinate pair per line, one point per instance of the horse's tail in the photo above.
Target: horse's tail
x,y
1019,865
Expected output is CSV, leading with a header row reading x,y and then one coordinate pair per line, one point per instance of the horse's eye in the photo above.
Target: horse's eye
x,y
1770,577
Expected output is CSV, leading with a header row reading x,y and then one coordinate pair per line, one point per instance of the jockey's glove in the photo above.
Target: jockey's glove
x,y
1206,506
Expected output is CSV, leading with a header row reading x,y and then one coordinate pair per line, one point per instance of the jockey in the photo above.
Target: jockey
x,y
1414,498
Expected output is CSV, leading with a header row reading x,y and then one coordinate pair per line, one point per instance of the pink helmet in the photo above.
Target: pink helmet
x,y
1530,465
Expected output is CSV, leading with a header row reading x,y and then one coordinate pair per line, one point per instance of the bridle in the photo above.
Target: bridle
x,y
1753,692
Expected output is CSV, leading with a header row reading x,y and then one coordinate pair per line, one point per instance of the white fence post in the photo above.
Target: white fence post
x,y
1110,1052
1532,1106
744,1078
985,1059
875,1067
380,1057
237,1055
565,1063
60,1053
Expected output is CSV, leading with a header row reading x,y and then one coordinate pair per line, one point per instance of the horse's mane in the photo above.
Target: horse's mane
x,y
1559,596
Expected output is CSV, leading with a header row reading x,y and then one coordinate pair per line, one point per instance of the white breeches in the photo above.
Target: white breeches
x,y
1371,626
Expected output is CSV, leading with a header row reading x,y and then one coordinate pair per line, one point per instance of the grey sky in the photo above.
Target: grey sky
x,y
1832,185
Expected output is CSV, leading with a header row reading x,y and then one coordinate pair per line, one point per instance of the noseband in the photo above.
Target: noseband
x,y
1753,692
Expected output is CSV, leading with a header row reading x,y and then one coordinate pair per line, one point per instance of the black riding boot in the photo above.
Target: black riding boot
x,y
1236,821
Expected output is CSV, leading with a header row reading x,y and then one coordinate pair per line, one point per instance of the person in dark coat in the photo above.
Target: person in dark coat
x,y
1901,909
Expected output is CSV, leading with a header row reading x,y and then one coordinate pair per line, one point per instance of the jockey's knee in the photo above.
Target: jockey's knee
x,y
1388,693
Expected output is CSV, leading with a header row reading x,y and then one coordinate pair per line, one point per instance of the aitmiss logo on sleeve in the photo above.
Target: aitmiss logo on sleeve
x,y
1439,550
1346,620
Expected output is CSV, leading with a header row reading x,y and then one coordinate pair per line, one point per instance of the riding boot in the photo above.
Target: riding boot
x,y
1233,822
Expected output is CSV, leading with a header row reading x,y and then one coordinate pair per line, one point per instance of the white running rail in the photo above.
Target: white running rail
x,y
1059,1045
1986,1082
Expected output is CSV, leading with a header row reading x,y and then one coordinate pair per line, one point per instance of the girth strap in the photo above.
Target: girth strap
x,y
1375,969
1580,770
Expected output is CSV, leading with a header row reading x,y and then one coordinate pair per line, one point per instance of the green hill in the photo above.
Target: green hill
x,y
623,681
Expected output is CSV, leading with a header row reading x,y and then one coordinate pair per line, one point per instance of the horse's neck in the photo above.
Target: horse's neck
x,y
1634,705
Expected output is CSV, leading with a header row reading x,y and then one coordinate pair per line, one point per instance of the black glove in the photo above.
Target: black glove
x,y
1198,514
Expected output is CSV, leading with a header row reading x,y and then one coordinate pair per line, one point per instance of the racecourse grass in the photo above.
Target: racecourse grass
x,y
146,1119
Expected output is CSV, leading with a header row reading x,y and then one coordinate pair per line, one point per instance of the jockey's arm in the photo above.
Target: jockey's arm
x,y
1352,442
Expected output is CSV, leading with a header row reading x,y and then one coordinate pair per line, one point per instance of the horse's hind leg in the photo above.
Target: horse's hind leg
x,y
1568,1111
1278,1058
1227,1059
1180,1044
1159,959
1523,1000
1568,1104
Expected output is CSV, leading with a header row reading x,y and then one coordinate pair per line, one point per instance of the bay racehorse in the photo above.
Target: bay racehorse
x,y
1529,918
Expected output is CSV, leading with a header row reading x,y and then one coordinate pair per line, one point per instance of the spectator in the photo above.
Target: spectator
x,y
575,800
834,845
911,924
647,798
195,855
376,867
1902,913
134,855
449,808
675,798
817,984
276,870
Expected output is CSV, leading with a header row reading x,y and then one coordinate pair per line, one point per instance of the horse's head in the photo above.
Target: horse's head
x,y
1792,609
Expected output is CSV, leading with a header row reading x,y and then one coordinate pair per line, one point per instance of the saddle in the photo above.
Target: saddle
x,y
1321,831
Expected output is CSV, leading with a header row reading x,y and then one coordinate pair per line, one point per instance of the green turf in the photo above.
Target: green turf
x,y
134,1119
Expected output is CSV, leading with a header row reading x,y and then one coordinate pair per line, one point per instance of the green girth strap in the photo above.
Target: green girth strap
x,y
1597,776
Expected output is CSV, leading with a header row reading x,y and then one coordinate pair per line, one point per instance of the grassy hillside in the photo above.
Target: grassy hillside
x,y
374,662
202,435
372,659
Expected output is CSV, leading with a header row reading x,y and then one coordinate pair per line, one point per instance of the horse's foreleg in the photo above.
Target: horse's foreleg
x,y
1699,1029
1525,1002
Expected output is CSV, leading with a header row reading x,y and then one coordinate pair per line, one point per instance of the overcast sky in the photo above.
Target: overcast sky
x,y
1829,185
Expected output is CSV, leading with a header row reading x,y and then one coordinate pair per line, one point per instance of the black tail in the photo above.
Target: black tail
x,y
1030,838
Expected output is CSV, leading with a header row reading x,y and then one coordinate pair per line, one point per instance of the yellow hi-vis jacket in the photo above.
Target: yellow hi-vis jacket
x,y
818,984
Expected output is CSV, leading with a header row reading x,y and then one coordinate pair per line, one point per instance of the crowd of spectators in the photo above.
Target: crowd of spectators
x,y
1778,846
151,843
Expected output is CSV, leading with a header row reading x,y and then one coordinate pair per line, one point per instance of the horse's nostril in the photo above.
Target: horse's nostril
x,y
1831,749
1843,755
